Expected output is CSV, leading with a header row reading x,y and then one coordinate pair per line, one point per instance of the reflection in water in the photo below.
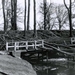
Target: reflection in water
x,y
57,68
59,71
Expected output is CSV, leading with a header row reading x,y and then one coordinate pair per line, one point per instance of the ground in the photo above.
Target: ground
x,y
15,66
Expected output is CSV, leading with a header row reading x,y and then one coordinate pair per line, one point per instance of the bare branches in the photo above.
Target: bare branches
x,y
66,5
69,14
61,15
25,19
46,18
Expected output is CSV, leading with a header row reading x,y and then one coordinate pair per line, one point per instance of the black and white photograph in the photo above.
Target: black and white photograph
x,y
37,37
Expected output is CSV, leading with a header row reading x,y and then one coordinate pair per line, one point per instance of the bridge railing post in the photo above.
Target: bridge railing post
x,y
15,46
42,43
26,44
72,40
7,46
35,44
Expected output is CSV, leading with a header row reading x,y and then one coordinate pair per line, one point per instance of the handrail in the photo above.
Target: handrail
x,y
24,44
72,40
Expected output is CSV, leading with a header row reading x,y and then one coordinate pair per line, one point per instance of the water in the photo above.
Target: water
x,y
57,71
56,68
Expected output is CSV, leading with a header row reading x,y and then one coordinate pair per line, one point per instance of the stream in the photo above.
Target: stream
x,y
56,67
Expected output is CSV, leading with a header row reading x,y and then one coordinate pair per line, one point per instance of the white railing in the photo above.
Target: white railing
x,y
72,40
24,45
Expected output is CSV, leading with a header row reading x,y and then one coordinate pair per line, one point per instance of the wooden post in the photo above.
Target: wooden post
x,y
7,46
35,44
42,59
26,44
73,58
42,43
38,57
15,47
68,62
47,61
47,57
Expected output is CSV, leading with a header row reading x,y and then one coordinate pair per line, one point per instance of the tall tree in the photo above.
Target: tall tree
x,y
69,14
44,1
35,32
13,13
28,17
3,6
47,18
25,19
7,11
61,15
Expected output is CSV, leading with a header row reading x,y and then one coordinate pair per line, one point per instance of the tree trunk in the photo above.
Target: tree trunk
x,y
35,32
28,18
13,13
25,19
70,19
59,24
44,1
3,6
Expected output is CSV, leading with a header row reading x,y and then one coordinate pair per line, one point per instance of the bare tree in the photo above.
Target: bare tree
x,y
69,14
28,17
13,13
61,15
25,19
47,18
35,32
44,1
8,14
3,6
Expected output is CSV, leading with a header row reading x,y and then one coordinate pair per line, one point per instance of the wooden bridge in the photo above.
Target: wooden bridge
x,y
23,46
37,50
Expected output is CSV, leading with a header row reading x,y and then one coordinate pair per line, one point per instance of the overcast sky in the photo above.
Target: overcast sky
x,y
21,4
37,6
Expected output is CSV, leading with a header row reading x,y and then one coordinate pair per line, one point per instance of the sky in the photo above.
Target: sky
x,y
21,4
37,11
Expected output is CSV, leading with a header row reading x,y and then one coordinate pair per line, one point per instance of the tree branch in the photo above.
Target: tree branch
x,y
66,5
